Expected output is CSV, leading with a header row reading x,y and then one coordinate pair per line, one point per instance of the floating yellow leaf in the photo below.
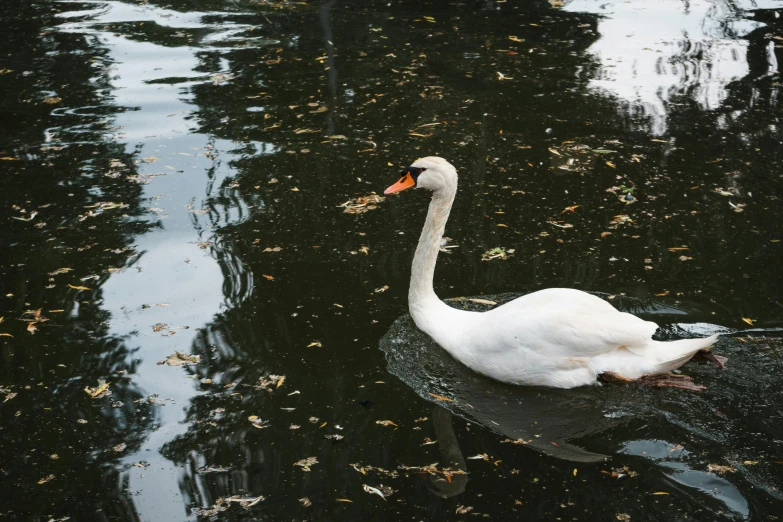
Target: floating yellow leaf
x,y
574,471
46,479
440,398
612,165
344,500
94,393
79,287
660,493
748,320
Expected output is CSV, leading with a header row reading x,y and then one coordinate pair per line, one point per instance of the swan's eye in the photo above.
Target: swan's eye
x,y
414,172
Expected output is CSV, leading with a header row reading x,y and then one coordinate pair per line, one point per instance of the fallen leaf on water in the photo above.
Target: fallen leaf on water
x,y
305,502
344,500
748,320
496,253
258,423
621,218
373,491
6,335
558,225
750,462
315,344
480,456
119,447
60,271
31,328
574,471
660,493
612,165
79,287
483,301
266,382
516,39
52,100
381,289
461,510
178,359
717,468
440,398
385,423
306,463
46,479
362,204
100,391
572,208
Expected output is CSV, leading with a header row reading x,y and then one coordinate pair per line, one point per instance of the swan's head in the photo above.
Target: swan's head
x,y
431,173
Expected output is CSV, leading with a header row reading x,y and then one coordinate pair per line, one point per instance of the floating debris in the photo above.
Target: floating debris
x,y
497,253
361,204
205,470
306,463
373,491
178,359
441,397
258,423
717,468
102,390
269,383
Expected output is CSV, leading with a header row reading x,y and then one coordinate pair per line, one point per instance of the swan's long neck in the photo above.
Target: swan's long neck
x,y
422,300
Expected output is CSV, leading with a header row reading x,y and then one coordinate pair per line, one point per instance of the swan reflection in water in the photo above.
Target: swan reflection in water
x,y
579,425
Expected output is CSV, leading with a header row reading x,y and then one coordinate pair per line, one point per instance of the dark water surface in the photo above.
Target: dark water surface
x,y
182,177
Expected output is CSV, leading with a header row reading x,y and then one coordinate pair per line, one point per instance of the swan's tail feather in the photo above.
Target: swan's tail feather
x,y
673,354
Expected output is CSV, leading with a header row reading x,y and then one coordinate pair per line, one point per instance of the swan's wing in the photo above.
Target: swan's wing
x,y
572,333
591,334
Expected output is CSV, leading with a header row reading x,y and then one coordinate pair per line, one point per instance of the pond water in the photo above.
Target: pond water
x,y
204,302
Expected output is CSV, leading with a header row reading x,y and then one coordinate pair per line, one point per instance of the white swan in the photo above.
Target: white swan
x,y
557,337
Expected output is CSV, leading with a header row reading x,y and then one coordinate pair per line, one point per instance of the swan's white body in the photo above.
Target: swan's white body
x,y
557,337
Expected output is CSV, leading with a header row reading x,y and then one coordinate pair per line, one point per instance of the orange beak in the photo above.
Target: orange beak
x,y
405,182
